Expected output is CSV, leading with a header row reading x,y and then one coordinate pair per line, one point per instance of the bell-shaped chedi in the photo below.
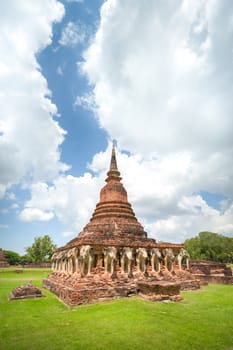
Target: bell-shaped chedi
x,y
114,213
113,221
112,254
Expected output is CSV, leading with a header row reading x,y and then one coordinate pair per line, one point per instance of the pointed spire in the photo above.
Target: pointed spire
x,y
113,163
113,170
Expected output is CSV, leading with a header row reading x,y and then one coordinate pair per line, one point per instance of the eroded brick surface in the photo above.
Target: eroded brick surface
x,y
26,291
3,261
212,272
113,257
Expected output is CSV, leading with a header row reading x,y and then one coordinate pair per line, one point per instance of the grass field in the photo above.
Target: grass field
x,y
203,321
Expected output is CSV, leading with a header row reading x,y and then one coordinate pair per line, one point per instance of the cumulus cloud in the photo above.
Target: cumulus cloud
x,y
161,198
168,75
70,198
29,136
163,88
35,214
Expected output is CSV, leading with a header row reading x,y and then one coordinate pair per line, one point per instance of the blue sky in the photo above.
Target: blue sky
x,y
154,76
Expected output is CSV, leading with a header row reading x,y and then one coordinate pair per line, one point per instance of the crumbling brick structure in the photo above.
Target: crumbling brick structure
x,y
3,261
113,257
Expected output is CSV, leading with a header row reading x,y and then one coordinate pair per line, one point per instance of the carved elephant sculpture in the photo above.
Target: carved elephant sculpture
x,y
110,255
127,260
156,259
169,259
183,255
73,255
141,259
86,259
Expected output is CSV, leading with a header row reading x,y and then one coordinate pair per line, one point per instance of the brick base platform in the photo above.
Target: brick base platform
x,y
92,291
76,290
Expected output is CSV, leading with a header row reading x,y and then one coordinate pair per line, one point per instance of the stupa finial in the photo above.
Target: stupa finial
x,y
113,170
113,164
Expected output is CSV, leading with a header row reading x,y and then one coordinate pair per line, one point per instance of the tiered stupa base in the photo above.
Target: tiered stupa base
x,y
75,290
112,257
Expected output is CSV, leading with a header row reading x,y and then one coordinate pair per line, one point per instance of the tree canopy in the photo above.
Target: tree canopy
x,y
210,246
12,257
41,250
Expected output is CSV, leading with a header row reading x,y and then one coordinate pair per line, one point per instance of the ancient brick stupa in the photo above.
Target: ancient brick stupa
x,y
113,222
112,256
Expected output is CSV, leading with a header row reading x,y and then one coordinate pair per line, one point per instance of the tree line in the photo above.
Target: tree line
x,y
40,251
210,246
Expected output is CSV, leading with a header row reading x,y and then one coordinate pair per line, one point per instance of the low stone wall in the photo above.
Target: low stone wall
x,y
38,265
211,272
216,279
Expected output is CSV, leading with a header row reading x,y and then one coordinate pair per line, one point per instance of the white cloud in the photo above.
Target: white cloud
x,y
86,101
73,34
11,196
164,83
70,198
60,71
163,88
35,214
29,136
68,233
160,193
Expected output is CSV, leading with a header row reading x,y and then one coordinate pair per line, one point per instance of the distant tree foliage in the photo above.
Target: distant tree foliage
x,y
210,246
26,259
12,257
41,250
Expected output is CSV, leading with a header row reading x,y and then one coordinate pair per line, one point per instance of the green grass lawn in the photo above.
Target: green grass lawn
x,y
203,321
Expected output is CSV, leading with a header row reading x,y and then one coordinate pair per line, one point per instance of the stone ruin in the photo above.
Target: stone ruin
x,y
113,257
27,291
3,261
211,272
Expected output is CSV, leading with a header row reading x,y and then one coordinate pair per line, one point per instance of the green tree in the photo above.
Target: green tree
x,y
193,246
26,259
12,257
41,250
210,246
